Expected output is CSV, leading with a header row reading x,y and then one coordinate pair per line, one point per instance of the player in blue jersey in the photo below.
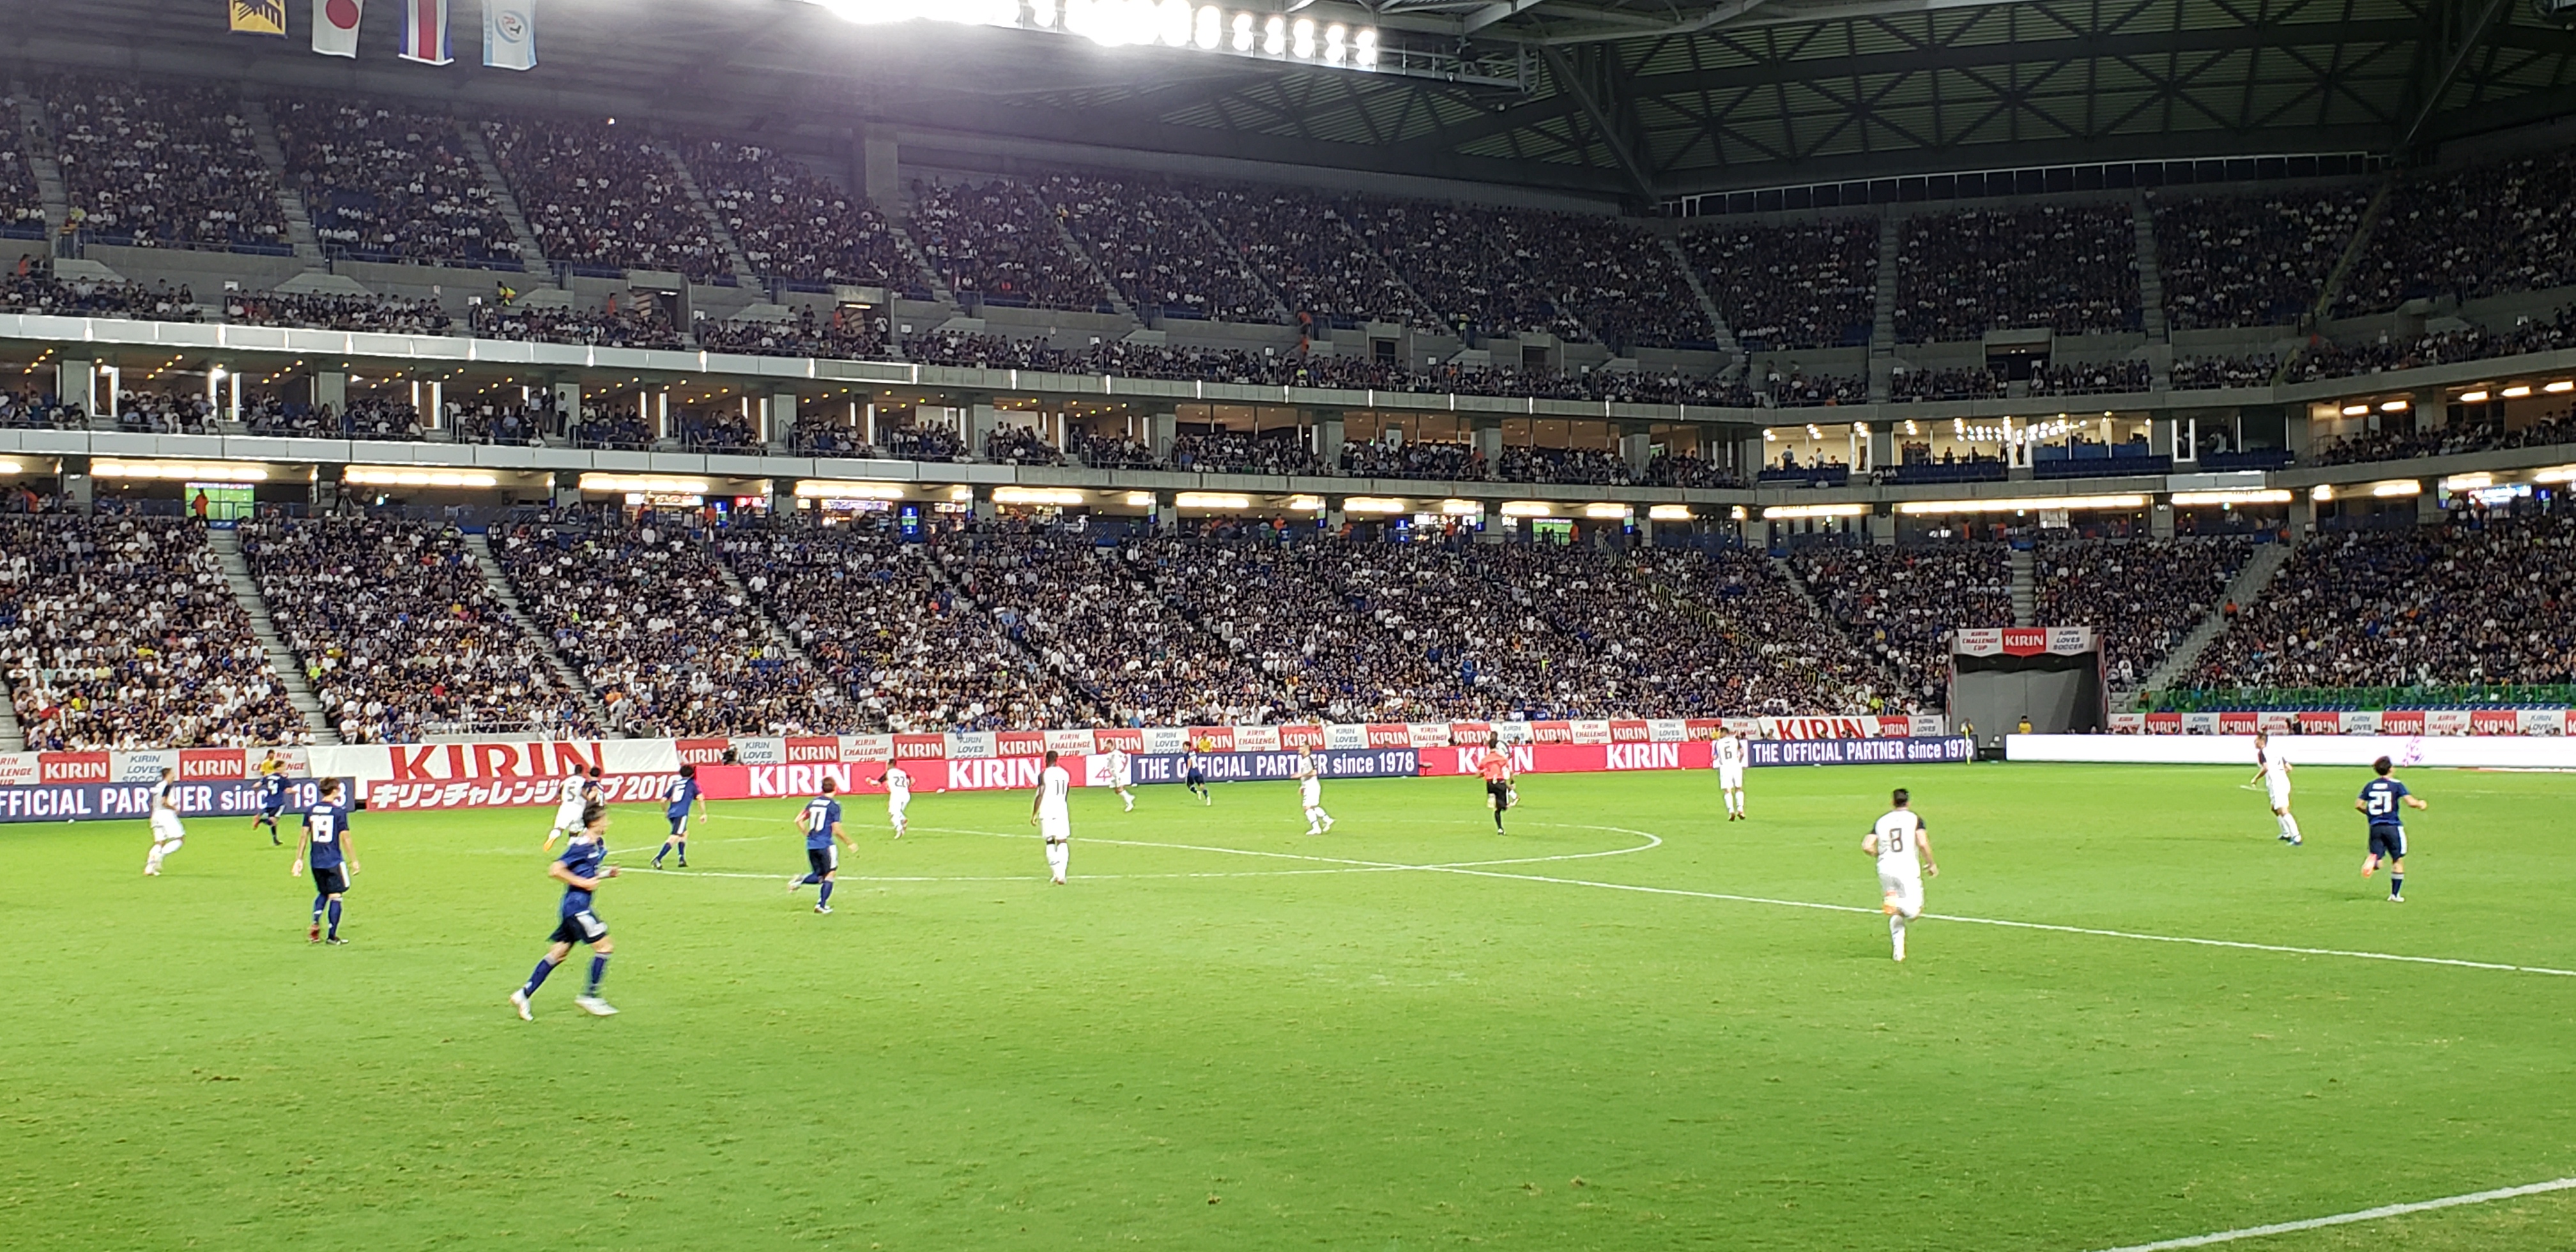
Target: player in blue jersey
x,y
1196,776
821,822
272,796
580,871
677,796
2382,801
324,845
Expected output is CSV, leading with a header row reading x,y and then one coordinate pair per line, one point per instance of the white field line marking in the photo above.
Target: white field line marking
x,y
2345,1219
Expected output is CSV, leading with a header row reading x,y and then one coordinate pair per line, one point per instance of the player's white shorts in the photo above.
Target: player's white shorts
x,y
1905,890
1730,777
895,808
166,828
2280,792
567,818
1055,827
1125,780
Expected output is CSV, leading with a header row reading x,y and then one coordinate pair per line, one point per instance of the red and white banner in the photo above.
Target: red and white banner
x,y
424,36
2023,641
335,27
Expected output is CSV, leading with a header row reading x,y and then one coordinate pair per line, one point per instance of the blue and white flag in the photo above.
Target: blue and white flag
x,y
510,34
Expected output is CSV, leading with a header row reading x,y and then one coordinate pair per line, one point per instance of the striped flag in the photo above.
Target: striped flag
x,y
335,27
510,34
425,32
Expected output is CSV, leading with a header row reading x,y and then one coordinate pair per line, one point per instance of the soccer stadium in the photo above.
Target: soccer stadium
x,y
1248,624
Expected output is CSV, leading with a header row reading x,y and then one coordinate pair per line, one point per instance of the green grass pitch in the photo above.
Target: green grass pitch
x,y
1197,1047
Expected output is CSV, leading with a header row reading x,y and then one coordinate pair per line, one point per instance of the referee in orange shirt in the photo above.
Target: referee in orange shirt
x,y
1497,769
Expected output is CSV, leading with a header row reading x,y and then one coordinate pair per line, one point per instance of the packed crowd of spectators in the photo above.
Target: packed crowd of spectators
x,y
1800,286
34,408
2456,603
387,184
1683,469
795,225
1613,279
1241,452
717,430
1798,389
2470,232
2095,378
483,421
37,291
2469,343
22,206
122,633
1107,451
1465,262
911,441
645,615
2202,372
1010,443
2071,268
1900,605
847,334
1436,459
366,417
167,413
387,314
827,434
1945,384
1599,467
2400,441
2140,596
1765,648
641,324
602,197
615,429
890,631
1302,244
1156,249
171,165
399,635
998,242
2251,260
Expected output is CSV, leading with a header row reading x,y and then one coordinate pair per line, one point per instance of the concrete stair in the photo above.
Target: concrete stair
x,y
1073,248
299,222
2245,589
1882,331
735,259
1278,305
1724,334
2352,253
290,669
13,737
777,637
39,140
2151,294
531,252
499,584
2025,588
930,279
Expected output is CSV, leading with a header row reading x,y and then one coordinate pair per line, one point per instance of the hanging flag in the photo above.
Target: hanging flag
x,y
335,27
510,34
425,32
259,17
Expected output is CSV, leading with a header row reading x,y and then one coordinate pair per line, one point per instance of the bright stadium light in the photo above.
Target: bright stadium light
x,y
1059,496
2562,474
1208,28
1301,39
845,489
1372,504
2187,499
1800,512
2402,487
2072,504
1244,40
190,471
2517,391
1274,36
373,476
1211,500
1336,42
1140,499
2473,397
649,485
1461,508
2395,406
1669,513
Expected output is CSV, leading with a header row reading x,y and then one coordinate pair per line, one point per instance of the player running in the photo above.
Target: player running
x,y
2273,768
580,871
570,802
1122,776
1726,756
167,833
1049,812
1496,766
2382,800
821,822
324,844
677,796
272,796
1195,765
898,785
1310,790
1904,852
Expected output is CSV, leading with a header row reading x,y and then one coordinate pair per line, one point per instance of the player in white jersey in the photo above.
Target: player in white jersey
x,y
1726,756
898,785
1310,790
2273,767
166,831
1122,776
1048,812
1904,853
569,803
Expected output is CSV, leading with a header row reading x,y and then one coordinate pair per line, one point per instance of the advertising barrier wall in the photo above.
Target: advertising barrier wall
x,y
98,802
2440,751
2551,722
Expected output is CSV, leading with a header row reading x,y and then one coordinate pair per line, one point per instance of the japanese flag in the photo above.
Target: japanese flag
x,y
335,27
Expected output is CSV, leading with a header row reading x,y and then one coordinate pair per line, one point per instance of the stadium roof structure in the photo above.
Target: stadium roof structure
x,y
1615,100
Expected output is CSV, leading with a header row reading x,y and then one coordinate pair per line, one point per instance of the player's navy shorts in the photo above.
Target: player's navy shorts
x,y
679,823
1195,778
2388,841
331,880
823,860
271,808
1500,789
581,927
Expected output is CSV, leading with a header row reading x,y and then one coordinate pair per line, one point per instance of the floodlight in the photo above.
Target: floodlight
x,y
1210,28
1274,36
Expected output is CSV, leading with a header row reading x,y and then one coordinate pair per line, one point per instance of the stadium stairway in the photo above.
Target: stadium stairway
x,y
735,258
1882,331
777,636
1278,305
1073,248
2246,588
2352,253
531,252
1708,308
490,567
2025,588
2151,295
930,280
290,672
40,155
13,737
263,136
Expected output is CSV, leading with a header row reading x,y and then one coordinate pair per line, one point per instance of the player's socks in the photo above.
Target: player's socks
x,y
1896,933
827,892
335,919
598,970
537,979
2396,886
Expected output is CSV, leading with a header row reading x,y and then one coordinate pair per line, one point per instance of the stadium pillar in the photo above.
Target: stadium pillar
x,y
779,419
1487,438
2160,520
331,387
2428,503
2431,410
1749,457
567,405
1882,447
983,504
1333,515
981,418
1327,433
1167,510
1882,525
76,382
1636,447
2303,516
880,169
567,489
1165,427
78,487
